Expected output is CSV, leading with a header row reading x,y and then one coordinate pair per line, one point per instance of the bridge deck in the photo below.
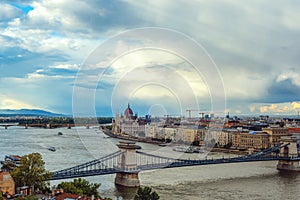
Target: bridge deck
x,y
110,164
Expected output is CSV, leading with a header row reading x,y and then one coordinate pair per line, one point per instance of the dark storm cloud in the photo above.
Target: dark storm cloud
x,y
282,91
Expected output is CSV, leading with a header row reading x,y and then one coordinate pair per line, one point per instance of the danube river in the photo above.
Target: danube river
x,y
259,180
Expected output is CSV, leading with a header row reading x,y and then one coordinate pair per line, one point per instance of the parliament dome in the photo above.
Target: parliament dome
x,y
128,113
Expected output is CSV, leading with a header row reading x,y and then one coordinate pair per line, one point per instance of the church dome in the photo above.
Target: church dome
x,y
128,113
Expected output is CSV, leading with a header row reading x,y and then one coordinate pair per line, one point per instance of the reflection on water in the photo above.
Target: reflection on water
x,y
124,192
257,180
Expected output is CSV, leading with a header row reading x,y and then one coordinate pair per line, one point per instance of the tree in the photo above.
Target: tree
x,y
81,187
32,172
27,198
1,196
146,193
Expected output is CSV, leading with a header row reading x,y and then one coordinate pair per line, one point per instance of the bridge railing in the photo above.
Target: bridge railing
x,y
155,161
105,163
145,161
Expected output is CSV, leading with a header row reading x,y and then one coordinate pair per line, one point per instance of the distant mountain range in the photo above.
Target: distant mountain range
x,y
28,112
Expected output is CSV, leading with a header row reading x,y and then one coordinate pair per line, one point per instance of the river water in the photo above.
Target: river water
x,y
258,180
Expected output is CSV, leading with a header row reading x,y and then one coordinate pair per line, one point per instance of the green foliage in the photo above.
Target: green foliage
x,y
7,166
31,172
146,193
81,187
1,196
60,120
27,198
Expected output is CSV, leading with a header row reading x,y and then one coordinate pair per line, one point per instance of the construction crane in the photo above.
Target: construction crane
x,y
202,115
190,112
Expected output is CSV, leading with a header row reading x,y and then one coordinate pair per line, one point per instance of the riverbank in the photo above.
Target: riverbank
x,y
127,137
150,141
230,151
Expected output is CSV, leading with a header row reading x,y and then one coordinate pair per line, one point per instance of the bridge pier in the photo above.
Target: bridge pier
x,y
289,152
6,125
128,165
127,179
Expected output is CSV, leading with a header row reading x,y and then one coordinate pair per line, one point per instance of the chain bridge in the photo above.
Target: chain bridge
x,y
128,162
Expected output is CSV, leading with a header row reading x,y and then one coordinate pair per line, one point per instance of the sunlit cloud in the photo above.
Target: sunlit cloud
x,y
280,108
296,105
66,66
253,44
11,103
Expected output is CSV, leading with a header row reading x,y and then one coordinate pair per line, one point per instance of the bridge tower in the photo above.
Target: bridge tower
x,y
289,152
128,165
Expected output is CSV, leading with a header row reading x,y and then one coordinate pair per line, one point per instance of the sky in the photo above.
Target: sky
x,y
163,57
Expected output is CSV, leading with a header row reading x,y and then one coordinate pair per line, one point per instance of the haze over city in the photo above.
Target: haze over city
x,y
253,45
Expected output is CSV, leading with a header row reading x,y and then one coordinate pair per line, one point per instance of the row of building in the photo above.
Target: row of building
x,y
235,135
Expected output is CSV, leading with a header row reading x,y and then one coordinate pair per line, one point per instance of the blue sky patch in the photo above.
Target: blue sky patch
x,y
25,8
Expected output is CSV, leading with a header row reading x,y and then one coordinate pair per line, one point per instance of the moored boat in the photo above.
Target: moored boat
x,y
184,149
189,149
51,149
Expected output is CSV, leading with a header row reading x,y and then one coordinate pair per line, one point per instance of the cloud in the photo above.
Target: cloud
x,y
282,91
292,75
18,62
252,108
296,105
65,66
254,44
280,108
50,92
79,17
11,103
268,109
8,12
245,41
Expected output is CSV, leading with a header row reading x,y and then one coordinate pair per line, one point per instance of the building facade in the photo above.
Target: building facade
x,y
275,133
7,184
225,137
251,140
128,124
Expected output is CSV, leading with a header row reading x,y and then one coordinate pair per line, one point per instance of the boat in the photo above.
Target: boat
x,y
185,149
11,161
164,144
199,150
13,158
189,149
51,149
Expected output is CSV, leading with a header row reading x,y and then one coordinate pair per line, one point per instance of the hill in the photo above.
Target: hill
x,y
28,112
